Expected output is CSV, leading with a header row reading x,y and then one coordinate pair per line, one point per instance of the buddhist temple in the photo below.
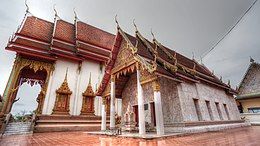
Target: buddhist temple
x,y
158,88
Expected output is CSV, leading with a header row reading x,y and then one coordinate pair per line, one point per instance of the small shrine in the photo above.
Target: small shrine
x,y
129,118
62,101
88,100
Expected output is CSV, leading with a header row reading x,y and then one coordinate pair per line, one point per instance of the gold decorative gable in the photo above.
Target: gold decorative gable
x,y
89,91
64,88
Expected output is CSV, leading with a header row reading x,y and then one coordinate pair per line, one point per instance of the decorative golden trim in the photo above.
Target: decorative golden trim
x,y
156,86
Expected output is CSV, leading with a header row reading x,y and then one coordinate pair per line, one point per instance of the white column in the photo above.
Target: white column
x,y
141,115
104,116
112,103
158,109
48,95
77,94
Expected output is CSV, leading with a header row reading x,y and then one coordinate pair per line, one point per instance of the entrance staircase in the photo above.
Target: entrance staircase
x,y
18,128
57,123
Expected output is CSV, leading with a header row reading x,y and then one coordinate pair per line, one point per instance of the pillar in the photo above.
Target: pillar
x,y
141,115
104,117
158,108
112,103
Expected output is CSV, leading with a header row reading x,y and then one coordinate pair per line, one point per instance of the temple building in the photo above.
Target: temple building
x,y
88,76
248,98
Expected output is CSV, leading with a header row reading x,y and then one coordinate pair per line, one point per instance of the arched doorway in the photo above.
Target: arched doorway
x,y
27,70
28,97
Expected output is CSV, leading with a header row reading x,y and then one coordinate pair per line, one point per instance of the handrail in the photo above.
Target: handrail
x,y
5,123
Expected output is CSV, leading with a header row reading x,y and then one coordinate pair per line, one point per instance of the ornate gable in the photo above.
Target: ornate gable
x,y
251,81
124,55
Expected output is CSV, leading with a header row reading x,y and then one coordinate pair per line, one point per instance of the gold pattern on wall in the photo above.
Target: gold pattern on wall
x,y
156,86
88,100
62,101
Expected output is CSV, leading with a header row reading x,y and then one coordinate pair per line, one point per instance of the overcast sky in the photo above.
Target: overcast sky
x,y
183,25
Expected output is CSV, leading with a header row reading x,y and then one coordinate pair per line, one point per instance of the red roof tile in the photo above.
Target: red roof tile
x,y
37,28
95,36
65,31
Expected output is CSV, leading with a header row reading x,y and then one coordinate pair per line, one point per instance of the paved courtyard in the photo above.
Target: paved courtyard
x,y
240,136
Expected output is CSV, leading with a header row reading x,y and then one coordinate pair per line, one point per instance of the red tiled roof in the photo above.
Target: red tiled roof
x,y
36,33
65,31
37,28
94,36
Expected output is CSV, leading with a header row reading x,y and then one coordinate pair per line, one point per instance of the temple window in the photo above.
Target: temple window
x,y
197,107
226,110
209,110
254,110
219,111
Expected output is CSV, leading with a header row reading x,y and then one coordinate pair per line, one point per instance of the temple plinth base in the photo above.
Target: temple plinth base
x,y
60,113
58,123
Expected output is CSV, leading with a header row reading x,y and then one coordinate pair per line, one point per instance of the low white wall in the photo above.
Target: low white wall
x,y
254,118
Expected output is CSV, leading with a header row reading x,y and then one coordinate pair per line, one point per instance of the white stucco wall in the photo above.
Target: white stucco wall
x,y
77,80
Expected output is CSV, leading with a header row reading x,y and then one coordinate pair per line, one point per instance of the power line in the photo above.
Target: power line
x,y
212,48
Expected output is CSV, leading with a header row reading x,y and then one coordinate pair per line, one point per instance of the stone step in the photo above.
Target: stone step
x,y
17,128
62,127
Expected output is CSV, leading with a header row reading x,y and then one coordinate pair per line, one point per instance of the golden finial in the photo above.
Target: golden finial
x,y
66,75
136,30
116,21
75,14
27,7
89,81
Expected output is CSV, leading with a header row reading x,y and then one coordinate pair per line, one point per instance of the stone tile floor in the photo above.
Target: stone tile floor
x,y
239,136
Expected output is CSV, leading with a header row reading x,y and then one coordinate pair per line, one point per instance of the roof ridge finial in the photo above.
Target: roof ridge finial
x,y
201,60
251,59
75,14
152,34
117,21
27,7
136,30
193,56
89,81
55,11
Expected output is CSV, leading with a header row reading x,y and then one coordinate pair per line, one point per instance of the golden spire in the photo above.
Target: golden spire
x,y
89,81
64,88
89,91
66,75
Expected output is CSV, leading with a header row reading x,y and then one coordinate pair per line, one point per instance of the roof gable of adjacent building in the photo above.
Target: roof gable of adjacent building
x,y
249,85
